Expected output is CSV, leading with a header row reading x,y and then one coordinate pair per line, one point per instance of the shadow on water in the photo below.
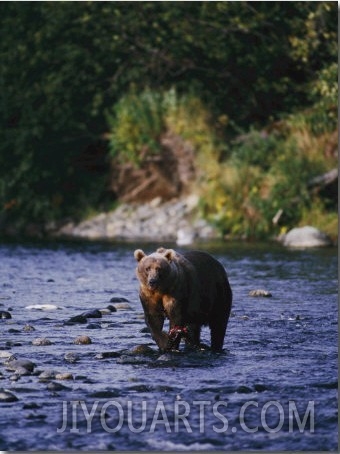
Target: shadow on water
x,y
273,387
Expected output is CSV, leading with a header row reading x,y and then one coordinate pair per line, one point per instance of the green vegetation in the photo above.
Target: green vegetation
x,y
252,86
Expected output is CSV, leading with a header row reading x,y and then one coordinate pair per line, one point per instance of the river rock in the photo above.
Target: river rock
x,y
28,328
55,386
7,396
71,357
260,292
19,371
304,237
17,364
76,319
41,341
122,306
48,374
93,326
142,350
117,299
64,376
94,313
82,340
5,315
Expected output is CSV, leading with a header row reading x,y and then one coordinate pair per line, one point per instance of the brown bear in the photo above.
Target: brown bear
x,y
191,289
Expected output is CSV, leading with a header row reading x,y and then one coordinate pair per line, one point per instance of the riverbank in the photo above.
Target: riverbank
x,y
175,220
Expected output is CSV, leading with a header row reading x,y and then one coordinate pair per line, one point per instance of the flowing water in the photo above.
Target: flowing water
x,y
273,388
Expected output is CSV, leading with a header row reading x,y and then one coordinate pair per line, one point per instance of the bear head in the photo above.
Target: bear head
x,y
155,271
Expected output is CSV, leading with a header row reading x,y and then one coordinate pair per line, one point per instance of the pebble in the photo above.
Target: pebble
x,y
5,315
260,292
71,357
82,340
28,328
40,341
95,313
64,376
112,308
7,396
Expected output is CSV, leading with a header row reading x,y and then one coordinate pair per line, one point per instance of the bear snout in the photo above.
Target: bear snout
x,y
153,281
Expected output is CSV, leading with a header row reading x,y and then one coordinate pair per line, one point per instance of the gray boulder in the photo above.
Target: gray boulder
x,y
304,237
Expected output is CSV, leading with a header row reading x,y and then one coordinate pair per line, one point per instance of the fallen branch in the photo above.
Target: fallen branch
x,y
323,180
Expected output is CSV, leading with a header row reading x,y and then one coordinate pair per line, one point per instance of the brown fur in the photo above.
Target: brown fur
x,y
190,289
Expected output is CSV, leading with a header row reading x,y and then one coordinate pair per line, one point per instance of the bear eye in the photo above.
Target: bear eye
x,y
148,268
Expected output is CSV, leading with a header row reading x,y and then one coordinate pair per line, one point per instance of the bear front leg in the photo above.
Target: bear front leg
x,y
155,321
174,311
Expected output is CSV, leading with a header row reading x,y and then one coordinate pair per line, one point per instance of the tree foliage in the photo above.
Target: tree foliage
x,y
65,64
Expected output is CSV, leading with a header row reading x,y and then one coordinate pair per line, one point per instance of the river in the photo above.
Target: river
x,y
273,388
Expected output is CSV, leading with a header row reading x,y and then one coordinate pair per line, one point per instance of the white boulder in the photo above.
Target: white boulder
x,y
304,237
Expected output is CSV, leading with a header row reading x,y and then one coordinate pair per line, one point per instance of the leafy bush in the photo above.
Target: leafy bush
x,y
264,174
136,124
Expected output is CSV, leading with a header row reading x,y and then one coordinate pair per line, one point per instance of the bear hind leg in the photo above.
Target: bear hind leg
x,y
217,330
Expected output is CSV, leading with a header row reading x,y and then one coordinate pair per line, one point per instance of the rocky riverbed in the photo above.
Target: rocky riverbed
x,y
80,372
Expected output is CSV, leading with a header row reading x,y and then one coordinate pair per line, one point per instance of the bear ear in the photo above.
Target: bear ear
x,y
161,250
169,254
139,254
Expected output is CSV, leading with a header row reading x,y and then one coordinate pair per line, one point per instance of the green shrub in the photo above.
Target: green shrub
x,y
136,124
